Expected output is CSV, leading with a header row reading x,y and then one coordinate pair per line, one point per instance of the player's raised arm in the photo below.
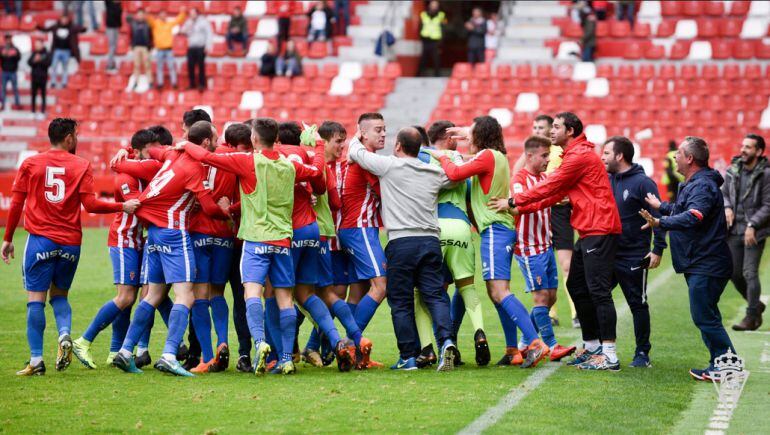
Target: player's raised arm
x,y
483,163
240,164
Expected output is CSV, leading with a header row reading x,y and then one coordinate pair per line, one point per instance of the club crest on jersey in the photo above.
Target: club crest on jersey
x,y
518,188
270,249
625,194
132,275
54,254
125,189
539,280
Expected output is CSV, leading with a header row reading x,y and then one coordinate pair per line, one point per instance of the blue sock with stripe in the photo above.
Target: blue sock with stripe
x,y
288,325
509,327
120,328
320,314
272,326
341,310
365,311
255,316
62,312
201,318
35,328
220,314
143,315
518,313
105,316
177,325
457,312
543,323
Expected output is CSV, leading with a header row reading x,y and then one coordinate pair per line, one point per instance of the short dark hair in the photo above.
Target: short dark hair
x,y
534,142
571,121
141,138
437,130
758,139
200,131
328,129
544,118
622,145
192,116
60,128
488,134
163,134
410,140
698,149
289,133
267,130
423,134
370,115
238,134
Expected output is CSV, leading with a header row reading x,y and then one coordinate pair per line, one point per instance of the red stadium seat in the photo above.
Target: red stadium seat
x,y
708,28
709,71
620,29
633,51
330,70
731,27
679,50
715,8
743,49
461,70
641,30
392,70
299,24
318,50
572,30
763,50
670,8
731,71
370,71
481,71
721,49
740,8
655,52
753,71
602,29
281,85
692,8
300,85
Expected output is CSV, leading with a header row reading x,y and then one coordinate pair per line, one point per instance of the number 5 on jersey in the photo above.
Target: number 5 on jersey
x,y
56,194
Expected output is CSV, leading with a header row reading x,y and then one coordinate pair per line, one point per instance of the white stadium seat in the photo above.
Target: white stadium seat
x,y
502,115
251,100
255,8
686,29
754,28
267,28
527,102
351,70
341,86
649,9
566,49
257,48
584,71
596,133
759,9
599,88
700,50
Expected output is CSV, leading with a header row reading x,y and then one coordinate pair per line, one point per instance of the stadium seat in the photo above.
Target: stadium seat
x,y
670,8
692,8
267,28
707,27
598,87
255,8
566,48
655,52
743,50
714,8
666,29
318,50
679,50
633,51
642,30
527,102
341,86
731,27
584,71
754,28
739,8
721,49
700,50
502,115
257,48
759,9
620,29
686,29
596,133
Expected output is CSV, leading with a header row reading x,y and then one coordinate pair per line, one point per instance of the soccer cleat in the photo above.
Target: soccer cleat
x,y
600,362
426,358
701,374
458,359
172,367
244,364
447,357
143,359
191,362
82,350
363,354
536,352
110,358
30,370
204,367
482,348
263,350
583,355
64,353
182,352
327,351
271,365
312,357
127,364
346,354
576,323
558,352
284,368
512,357
404,365
221,359
374,364
641,359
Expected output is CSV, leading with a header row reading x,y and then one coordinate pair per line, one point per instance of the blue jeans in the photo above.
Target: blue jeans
x,y
91,13
60,57
10,77
705,292
588,53
241,38
165,57
288,66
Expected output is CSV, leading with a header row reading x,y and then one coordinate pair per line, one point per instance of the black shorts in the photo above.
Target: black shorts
x,y
562,234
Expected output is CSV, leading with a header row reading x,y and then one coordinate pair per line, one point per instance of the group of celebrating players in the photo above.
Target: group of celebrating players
x,y
279,212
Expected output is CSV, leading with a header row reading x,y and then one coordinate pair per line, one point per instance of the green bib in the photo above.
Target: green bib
x,y
499,188
266,212
455,195
324,216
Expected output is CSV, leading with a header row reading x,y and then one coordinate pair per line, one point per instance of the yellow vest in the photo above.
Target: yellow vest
x,y
431,27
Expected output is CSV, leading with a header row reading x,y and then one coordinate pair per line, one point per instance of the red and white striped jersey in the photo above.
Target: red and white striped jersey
x,y
533,229
125,230
360,199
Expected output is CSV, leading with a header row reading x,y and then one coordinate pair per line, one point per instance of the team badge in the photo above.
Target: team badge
x,y
132,275
539,280
625,194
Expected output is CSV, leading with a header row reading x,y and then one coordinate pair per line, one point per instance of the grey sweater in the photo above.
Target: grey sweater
x,y
409,190
199,33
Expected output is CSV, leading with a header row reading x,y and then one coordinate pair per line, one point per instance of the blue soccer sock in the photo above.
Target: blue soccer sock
x,y
105,316
314,341
457,312
201,318
342,311
365,311
120,328
509,327
165,309
288,325
143,315
220,313
177,325
272,326
62,312
543,323
353,307
144,340
255,316
518,313
35,328
320,314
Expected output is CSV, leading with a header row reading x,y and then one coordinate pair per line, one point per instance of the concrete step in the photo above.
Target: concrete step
x,y
517,20
21,132
517,42
363,53
372,32
523,53
532,31
539,9
12,147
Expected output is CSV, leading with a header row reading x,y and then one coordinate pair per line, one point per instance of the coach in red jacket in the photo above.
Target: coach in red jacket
x,y
583,179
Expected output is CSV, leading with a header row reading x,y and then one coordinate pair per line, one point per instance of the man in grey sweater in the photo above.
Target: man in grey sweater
x,y
409,190
199,40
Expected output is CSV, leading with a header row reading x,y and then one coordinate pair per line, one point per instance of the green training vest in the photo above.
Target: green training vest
x,y
266,212
324,216
431,27
455,195
499,188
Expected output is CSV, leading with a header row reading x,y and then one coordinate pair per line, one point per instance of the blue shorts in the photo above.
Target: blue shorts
x,y
46,262
305,244
363,247
126,265
212,258
260,260
325,276
497,252
539,271
343,269
170,256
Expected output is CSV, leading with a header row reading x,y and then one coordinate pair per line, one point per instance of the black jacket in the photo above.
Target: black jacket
x,y
141,34
9,59
476,36
697,228
630,188
65,37
756,200
114,14
40,66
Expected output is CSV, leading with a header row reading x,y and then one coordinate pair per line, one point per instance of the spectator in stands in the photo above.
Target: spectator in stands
x,y
9,62
237,30
39,61
269,59
588,41
285,11
342,16
320,20
141,43
625,10
65,45
163,39
671,177
113,22
477,31
600,9
199,39
431,33
16,7
491,39
290,64
578,9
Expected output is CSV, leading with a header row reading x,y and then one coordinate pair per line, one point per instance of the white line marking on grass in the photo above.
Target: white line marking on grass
x,y
519,392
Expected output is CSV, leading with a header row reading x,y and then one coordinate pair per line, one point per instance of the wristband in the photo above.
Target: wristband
x,y
511,203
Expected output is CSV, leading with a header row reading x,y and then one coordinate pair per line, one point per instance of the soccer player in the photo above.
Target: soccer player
x,y
266,180
490,178
168,201
125,241
359,229
53,184
533,249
